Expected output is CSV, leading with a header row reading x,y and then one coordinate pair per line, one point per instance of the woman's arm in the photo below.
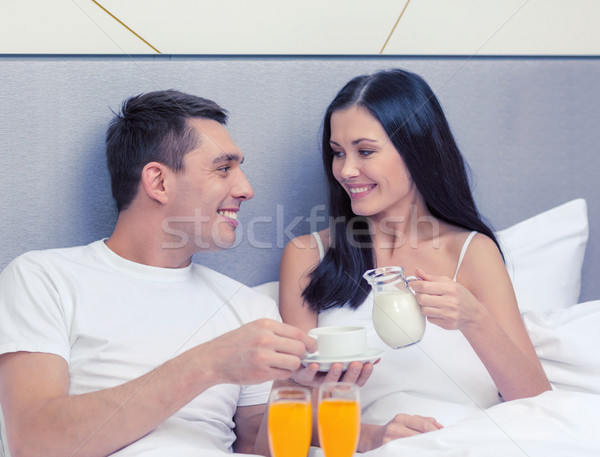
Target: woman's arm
x,y
300,257
483,306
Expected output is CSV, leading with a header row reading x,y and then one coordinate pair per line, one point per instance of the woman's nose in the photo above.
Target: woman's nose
x,y
350,168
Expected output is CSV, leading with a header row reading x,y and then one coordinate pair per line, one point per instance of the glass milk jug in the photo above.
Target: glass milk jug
x,y
397,316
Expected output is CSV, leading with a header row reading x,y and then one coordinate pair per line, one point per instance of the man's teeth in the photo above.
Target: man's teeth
x,y
228,214
356,190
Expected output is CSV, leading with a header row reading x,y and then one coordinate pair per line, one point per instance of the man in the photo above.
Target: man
x,y
125,346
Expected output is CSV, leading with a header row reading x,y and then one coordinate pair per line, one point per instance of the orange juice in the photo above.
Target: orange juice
x,y
290,428
339,424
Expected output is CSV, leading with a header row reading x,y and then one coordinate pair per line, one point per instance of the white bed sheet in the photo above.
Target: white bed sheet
x,y
554,424
560,423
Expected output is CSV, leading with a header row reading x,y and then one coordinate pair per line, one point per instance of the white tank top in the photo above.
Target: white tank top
x,y
460,257
463,251
431,378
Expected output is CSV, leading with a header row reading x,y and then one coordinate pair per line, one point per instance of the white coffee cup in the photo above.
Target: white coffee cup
x,y
339,342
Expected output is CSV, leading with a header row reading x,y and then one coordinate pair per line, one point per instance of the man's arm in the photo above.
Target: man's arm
x,y
42,419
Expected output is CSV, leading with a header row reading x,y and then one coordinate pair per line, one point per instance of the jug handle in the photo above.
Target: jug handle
x,y
412,278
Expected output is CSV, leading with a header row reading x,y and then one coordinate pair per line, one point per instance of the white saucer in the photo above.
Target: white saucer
x,y
370,355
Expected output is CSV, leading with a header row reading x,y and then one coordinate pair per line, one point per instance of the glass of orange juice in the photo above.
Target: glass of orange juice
x,y
290,422
338,418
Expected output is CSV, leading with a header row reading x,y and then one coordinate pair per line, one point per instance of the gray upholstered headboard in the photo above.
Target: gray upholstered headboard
x,y
527,126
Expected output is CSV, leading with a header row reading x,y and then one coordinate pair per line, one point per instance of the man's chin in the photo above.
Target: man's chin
x,y
214,244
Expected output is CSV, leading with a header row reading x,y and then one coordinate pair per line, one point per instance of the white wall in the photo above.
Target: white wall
x,y
331,27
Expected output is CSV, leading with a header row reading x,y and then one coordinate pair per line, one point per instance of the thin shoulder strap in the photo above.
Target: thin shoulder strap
x,y
463,252
319,244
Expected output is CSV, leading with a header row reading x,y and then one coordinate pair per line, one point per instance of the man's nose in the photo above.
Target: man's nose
x,y
243,189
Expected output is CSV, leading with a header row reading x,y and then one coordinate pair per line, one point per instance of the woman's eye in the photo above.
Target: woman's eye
x,y
337,153
365,152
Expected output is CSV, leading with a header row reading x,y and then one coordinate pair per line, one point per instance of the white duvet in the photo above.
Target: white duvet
x,y
560,423
551,425
565,422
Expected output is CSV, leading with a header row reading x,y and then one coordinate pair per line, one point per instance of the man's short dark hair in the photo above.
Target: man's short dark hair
x,y
153,127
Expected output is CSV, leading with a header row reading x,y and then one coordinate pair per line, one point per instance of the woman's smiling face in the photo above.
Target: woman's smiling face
x,y
367,164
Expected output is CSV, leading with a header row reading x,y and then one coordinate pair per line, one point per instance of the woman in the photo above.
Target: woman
x,y
399,195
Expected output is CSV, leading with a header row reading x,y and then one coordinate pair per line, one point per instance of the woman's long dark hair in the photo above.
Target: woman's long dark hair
x,y
412,117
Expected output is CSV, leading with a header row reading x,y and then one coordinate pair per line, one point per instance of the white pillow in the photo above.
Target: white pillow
x,y
567,342
544,256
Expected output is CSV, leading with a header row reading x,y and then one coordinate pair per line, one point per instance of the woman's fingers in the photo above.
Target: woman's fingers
x,y
403,425
423,424
358,373
429,277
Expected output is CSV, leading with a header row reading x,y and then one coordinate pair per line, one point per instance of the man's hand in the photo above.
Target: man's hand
x,y
259,351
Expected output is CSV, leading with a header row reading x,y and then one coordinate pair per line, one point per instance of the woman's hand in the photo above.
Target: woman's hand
x,y
356,373
401,426
445,302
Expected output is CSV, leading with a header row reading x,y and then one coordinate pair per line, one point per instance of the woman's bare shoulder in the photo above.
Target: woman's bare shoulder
x,y
483,244
453,239
304,250
456,237
309,241
484,273
483,261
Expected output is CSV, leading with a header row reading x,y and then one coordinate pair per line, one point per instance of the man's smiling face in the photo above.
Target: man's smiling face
x,y
210,188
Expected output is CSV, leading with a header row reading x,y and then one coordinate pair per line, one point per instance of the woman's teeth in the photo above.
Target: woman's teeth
x,y
357,190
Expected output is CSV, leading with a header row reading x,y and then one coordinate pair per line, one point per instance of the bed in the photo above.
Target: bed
x,y
544,255
527,126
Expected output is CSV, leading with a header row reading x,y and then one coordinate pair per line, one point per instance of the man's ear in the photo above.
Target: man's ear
x,y
153,181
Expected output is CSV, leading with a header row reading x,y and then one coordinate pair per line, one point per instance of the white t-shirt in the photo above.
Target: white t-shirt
x,y
114,320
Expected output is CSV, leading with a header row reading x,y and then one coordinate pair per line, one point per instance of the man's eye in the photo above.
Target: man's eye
x,y
224,169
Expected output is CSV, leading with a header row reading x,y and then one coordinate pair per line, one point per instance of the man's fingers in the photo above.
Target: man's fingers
x,y
283,338
277,373
284,362
306,375
294,333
